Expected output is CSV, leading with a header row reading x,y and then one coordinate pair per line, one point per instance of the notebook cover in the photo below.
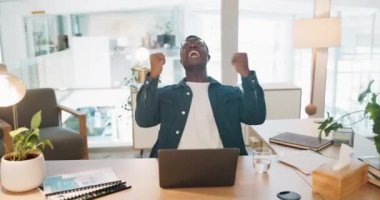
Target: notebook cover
x,y
300,141
78,180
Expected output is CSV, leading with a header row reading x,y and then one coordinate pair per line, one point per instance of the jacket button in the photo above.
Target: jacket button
x,y
253,81
188,93
183,112
177,132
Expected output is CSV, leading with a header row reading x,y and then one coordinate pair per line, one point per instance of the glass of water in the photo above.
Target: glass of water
x,y
261,159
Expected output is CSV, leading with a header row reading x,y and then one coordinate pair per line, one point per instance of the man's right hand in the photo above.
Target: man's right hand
x,y
157,61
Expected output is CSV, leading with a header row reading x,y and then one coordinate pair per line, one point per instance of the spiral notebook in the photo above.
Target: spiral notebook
x,y
83,185
305,161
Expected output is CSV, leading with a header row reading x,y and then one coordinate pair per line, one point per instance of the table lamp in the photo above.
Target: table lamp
x,y
12,90
316,33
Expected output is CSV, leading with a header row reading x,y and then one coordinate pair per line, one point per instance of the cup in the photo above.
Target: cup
x,y
344,136
261,157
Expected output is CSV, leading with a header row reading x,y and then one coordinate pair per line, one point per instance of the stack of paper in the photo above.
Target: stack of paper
x,y
373,168
305,160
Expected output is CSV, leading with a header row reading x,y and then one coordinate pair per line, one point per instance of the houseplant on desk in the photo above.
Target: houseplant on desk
x,y
371,111
23,168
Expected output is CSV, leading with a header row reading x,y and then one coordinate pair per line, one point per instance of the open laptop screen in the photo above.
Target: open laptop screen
x,y
197,167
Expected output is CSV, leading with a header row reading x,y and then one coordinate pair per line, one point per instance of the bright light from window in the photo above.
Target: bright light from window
x,y
142,54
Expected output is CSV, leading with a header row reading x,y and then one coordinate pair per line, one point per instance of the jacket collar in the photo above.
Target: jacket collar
x,y
182,83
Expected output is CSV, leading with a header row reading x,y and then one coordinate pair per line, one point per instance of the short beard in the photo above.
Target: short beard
x,y
195,67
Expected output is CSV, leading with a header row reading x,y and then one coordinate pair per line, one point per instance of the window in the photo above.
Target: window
x,y
265,33
354,64
103,49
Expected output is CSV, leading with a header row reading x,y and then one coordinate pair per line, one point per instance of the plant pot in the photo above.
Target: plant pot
x,y
166,39
21,176
344,136
140,73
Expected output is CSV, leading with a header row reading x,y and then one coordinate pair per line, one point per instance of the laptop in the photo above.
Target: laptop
x,y
197,167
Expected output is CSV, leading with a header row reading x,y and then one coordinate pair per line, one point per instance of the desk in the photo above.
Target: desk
x,y
362,147
142,174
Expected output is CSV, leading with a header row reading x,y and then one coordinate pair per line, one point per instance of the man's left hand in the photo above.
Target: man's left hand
x,y
240,62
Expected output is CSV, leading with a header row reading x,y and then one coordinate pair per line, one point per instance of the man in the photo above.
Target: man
x,y
199,112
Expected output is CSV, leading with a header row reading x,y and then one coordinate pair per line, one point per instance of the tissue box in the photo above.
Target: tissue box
x,y
339,184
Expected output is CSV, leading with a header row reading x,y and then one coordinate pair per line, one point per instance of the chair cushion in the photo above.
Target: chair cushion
x,y
38,99
6,114
68,144
1,147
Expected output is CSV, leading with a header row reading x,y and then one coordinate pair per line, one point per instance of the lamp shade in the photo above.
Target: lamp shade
x,y
12,90
317,32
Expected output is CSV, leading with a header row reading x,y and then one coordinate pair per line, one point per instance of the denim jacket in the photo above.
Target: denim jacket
x,y
170,105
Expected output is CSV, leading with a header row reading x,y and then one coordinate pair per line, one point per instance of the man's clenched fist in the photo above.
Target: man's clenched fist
x,y
240,62
157,61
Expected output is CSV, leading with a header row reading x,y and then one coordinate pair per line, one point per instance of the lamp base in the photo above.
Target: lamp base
x,y
311,109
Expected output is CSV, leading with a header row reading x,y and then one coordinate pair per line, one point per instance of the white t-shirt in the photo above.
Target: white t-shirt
x,y
200,129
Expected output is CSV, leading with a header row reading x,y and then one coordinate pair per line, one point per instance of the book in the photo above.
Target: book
x,y
82,185
305,161
373,165
300,141
373,180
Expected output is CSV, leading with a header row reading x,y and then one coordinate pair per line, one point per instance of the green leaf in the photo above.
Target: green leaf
x,y
26,141
376,126
325,123
373,98
365,92
377,142
47,142
36,132
333,127
36,120
328,125
373,109
18,131
33,139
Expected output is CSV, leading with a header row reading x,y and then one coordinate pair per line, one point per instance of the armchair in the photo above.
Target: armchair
x,y
68,144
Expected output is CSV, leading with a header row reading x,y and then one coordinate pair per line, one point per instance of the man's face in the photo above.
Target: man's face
x,y
194,53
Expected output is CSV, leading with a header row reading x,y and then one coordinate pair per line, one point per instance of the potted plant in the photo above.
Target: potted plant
x,y
23,168
166,38
371,111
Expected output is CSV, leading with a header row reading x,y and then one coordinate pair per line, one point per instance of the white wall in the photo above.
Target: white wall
x,y
55,70
92,62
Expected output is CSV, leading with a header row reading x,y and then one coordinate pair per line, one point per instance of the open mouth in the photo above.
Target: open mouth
x,y
194,54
